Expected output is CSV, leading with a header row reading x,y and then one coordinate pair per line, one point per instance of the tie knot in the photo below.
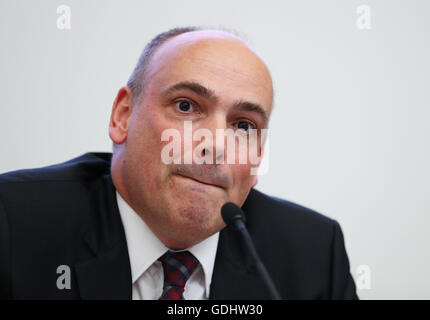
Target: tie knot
x,y
178,267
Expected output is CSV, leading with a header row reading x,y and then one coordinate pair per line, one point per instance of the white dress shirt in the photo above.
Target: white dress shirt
x,y
144,248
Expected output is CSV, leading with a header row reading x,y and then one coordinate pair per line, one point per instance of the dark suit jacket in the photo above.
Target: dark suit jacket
x,y
67,214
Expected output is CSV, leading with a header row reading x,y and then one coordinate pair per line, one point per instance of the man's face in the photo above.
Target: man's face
x,y
214,81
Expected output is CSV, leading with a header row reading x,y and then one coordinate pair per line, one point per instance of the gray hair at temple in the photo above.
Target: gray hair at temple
x,y
137,78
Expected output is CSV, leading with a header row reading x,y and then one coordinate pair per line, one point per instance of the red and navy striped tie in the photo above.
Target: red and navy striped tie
x,y
178,267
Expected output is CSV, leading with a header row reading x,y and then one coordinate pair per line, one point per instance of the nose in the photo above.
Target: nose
x,y
210,150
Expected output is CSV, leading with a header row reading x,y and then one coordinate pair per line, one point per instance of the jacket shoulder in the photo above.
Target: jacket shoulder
x,y
53,193
59,192
283,213
296,240
38,197
79,168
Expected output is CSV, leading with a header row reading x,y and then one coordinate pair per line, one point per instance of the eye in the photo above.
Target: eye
x,y
245,125
184,106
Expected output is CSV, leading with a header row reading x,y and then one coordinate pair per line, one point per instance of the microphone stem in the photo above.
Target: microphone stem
x,y
257,261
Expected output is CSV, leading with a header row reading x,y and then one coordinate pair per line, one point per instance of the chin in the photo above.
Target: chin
x,y
200,221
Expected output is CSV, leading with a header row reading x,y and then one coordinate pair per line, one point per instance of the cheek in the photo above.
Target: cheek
x,y
144,146
146,131
242,180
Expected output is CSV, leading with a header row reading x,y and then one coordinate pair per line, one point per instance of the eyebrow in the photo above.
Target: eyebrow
x,y
196,87
209,94
253,107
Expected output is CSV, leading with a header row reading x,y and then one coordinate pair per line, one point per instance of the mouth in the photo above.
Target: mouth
x,y
201,182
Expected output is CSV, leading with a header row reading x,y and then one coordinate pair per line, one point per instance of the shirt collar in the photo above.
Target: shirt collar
x,y
205,252
144,248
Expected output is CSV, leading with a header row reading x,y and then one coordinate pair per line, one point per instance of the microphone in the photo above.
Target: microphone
x,y
233,216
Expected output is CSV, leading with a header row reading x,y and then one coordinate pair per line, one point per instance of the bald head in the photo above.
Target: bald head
x,y
178,39
206,55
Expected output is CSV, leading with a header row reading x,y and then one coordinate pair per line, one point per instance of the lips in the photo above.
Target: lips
x,y
205,174
200,180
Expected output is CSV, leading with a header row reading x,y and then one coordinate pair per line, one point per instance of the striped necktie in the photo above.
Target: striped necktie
x,y
177,267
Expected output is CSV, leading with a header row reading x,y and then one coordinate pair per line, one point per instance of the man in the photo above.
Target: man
x,y
132,226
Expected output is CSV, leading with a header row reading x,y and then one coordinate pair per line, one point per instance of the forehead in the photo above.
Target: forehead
x,y
217,60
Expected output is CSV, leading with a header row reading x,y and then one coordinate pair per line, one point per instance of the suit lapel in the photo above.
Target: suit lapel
x,y
107,274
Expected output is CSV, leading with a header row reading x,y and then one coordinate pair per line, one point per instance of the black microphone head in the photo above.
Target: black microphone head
x,y
231,212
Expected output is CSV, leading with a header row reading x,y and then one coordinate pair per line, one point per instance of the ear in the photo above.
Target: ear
x,y
120,116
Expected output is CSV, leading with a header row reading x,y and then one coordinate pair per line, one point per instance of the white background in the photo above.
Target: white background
x,y
350,128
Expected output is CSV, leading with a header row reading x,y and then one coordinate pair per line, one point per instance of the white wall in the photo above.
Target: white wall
x,y
349,132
